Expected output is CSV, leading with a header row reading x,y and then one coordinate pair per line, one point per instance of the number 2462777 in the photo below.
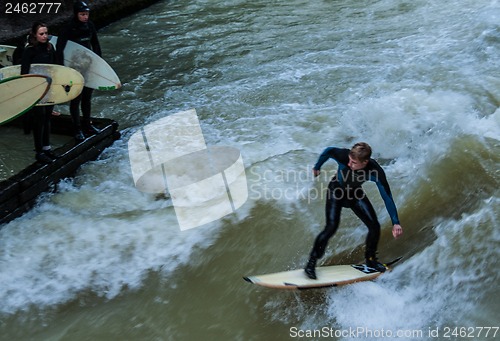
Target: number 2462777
x,y
32,8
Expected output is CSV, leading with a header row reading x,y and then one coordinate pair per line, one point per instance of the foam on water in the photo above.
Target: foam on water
x,y
412,122
452,274
107,232
415,124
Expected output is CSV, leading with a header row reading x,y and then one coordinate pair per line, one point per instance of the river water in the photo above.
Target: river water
x,y
279,81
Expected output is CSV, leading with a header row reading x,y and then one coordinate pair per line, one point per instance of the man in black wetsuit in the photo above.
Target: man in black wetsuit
x,y
81,31
354,168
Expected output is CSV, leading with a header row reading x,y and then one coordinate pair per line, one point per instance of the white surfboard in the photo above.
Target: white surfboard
x,y
6,53
66,84
327,276
21,93
97,72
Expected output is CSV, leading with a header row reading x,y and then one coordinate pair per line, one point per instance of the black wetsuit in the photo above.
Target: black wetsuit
x,y
345,190
39,54
84,34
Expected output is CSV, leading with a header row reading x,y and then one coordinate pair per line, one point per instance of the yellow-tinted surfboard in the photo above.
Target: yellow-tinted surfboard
x,y
67,83
327,276
20,93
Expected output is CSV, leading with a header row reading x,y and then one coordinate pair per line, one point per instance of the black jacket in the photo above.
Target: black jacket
x,y
81,33
37,54
351,181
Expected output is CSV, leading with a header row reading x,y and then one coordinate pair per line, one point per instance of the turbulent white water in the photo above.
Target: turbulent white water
x,y
280,81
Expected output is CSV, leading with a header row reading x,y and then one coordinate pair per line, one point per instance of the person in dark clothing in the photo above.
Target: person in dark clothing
x,y
41,51
81,31
17,58
355,167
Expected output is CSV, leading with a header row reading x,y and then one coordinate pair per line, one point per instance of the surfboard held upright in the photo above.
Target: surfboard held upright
x,y
66,83
98,74
328,276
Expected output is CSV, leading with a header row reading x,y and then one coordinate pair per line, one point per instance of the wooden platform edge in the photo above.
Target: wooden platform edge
x,y
19,193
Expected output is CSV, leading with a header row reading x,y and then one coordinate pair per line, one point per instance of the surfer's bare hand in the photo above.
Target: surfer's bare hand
x,y
316,172
397,231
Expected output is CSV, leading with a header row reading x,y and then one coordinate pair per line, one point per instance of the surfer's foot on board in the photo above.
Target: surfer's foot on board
x,y
310,268
373,263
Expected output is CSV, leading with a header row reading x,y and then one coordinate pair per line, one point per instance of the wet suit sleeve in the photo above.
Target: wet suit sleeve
x,y
62,40
26,60
94,41
330,152
385,192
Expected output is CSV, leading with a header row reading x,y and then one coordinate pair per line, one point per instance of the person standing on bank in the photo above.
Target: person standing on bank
x,y
40,50
81,31
355,166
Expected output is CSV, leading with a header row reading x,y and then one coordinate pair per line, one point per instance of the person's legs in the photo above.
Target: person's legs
x,y
47,114
46,148
87,126
74,109
37,125
39,137
333,209
364,210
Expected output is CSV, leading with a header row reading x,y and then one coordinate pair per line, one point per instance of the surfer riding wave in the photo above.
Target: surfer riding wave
x,y
355,166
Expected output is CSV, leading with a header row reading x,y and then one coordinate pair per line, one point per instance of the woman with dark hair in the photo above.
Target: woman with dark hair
x,y
81,31
40,51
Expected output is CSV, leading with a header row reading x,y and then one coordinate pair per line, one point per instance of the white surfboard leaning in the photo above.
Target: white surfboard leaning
x,y
67,83
97,72
21,93
328,276
6,54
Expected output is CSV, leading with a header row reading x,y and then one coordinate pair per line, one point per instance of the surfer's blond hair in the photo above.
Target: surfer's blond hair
x,y
361,151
